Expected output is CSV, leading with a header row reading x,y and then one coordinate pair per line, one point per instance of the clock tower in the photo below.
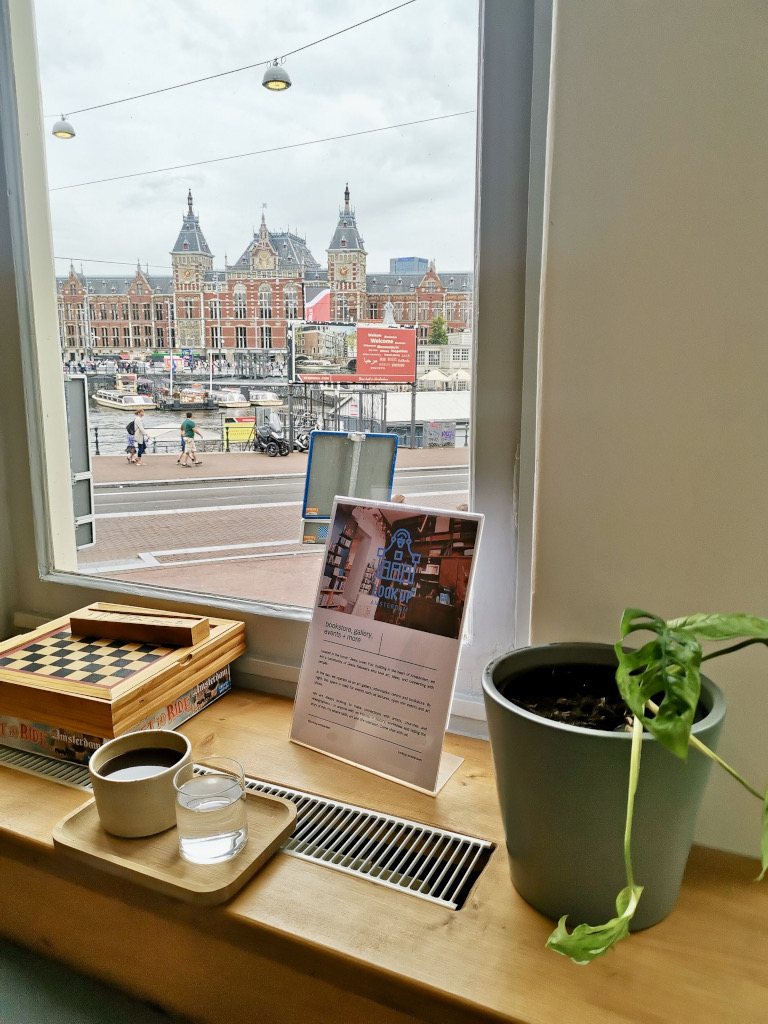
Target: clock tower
x,y
190,258
346,267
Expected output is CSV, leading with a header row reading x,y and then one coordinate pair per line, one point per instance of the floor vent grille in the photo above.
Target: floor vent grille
x,y
431,863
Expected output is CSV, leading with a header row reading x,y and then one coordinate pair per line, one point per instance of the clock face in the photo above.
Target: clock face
x,y
343,271
263,259
187,274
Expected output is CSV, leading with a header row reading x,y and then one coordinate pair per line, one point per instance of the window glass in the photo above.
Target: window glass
x,y
385,215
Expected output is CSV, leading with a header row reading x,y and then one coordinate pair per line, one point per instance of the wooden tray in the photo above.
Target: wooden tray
x,y
155,861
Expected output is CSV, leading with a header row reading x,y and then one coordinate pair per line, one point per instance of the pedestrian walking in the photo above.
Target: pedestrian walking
x,y
141,436
188,429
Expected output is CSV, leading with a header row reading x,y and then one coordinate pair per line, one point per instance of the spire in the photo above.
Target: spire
x,y
346,235
263,233
191,239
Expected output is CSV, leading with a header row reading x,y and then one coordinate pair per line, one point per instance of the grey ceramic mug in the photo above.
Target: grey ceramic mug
x,y
144,806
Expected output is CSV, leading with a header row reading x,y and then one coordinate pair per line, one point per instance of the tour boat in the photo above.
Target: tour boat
x,y
264,398
229,399
123,400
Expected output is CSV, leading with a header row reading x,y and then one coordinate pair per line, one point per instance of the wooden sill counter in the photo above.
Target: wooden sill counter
x,y
304,943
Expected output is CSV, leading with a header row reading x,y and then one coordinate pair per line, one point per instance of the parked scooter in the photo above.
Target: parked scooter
x,y
301,440
270,438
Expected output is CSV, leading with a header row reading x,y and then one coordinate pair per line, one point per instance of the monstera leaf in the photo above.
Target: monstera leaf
x,y
667,665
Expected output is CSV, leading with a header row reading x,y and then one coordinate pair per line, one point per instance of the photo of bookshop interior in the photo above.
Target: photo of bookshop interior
x,y
394,566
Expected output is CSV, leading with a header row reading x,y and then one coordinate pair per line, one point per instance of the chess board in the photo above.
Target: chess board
x,y
97,662
102,686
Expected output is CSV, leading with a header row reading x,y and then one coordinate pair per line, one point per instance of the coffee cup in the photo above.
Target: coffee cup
x,y
132,778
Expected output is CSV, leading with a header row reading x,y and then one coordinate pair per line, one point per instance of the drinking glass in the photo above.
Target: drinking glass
x,y
210,810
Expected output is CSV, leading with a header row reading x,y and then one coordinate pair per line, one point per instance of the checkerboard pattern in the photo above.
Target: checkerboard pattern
x,y
98,661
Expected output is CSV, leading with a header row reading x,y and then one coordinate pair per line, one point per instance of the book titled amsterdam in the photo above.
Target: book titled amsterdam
x,y
77,747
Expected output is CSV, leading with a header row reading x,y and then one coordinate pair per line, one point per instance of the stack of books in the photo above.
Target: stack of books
x,y
72,684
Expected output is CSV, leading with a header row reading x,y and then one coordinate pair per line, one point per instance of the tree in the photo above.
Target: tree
x,y
438,335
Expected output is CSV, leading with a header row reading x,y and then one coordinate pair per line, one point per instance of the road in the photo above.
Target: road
x,y
116,500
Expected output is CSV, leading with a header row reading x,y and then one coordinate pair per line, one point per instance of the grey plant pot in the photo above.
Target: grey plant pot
x,y
563,796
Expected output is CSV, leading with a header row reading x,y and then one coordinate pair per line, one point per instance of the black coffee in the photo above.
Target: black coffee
x,y
139,764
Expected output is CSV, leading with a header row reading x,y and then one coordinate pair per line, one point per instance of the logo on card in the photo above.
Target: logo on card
x,y
395,576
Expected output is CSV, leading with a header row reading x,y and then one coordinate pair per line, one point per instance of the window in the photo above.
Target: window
x,y
172,336
139,288
137,334
411,312
343,308
450,308
69,311
116,337
71,333
420,356
373,310
189,308
171,313
158,311
398,311
423,311
127,337
464,311
240,302
148,336
240,337
134,311
437,309
102,311
105,336
431,286
125,311
265,336
160,333
434,358
147,310
113,311
291,303
72,290
215,337
265,302
215,309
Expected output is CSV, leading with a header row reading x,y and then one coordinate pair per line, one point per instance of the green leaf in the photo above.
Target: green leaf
x,y
764,840
668,665
722,627
587,942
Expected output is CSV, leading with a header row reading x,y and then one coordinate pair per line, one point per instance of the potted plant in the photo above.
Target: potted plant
x,y
570,727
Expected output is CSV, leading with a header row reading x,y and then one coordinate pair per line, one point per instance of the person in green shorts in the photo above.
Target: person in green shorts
x,y
188,431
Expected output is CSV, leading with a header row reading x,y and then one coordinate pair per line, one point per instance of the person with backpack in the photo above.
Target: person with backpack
x,y
140,435
130,442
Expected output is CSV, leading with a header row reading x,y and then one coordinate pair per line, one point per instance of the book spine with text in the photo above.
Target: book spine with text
x,y
66,745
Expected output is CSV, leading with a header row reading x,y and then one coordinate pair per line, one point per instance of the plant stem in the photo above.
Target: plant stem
x,y
736,647
704,749
634,772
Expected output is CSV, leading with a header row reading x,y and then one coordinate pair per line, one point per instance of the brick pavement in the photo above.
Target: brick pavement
x,y
250,553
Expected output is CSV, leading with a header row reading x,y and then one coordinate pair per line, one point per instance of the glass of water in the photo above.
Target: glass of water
x,y
210,810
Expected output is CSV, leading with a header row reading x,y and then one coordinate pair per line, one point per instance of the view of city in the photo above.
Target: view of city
x,y
187,294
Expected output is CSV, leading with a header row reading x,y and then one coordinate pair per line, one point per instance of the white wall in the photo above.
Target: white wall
x,y
652,488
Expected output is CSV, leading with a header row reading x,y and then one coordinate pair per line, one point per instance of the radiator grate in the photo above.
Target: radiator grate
x,y
434,864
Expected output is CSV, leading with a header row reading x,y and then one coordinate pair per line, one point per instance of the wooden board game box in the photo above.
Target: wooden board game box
x,y
101,686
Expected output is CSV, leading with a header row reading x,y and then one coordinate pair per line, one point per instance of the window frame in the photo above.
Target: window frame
x,y
515,55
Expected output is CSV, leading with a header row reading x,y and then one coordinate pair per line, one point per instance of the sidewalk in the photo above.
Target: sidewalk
x,y
251,553
218,465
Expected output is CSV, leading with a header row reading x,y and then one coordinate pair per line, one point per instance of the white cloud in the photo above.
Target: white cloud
x,y
413,188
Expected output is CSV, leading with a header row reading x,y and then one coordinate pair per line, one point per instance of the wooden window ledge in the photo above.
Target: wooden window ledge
x,y
302,942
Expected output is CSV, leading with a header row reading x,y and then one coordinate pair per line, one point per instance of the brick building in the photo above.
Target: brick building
x,y
243,313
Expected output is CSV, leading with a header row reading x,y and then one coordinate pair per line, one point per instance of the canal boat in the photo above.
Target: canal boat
x,y
123,400
264,399
229,398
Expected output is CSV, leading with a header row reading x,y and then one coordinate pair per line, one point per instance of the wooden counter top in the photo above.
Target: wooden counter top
x,y
302,942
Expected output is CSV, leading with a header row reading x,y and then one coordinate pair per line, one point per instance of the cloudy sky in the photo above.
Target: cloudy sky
x,y
412,188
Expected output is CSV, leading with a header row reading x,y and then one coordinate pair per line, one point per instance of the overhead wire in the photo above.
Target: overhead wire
x,y
261,152
233,71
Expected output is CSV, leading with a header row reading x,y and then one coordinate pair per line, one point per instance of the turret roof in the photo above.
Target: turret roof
x,y
346,236
191,238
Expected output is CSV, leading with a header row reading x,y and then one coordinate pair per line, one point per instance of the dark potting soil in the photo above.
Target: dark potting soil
x,y
583,695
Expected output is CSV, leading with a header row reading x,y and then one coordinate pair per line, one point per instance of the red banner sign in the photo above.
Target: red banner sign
x,y
386,354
